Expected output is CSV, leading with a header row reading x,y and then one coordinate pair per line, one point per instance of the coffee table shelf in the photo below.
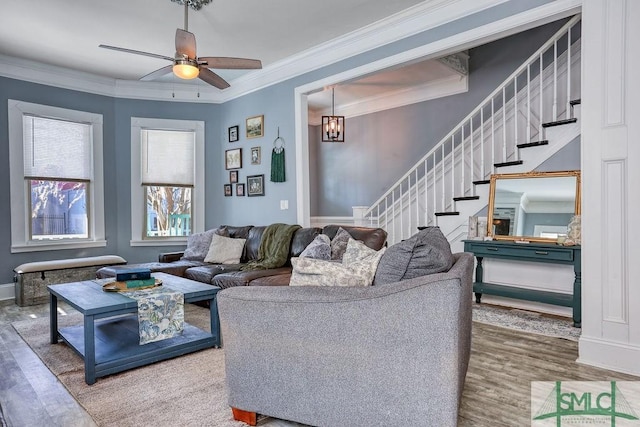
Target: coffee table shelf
x,y
108,339
118,344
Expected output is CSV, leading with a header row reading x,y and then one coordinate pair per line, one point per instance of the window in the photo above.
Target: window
x,y
167,178
56,178
167,166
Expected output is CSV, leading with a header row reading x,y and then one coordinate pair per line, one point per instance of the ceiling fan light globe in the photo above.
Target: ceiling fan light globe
x,y
185,71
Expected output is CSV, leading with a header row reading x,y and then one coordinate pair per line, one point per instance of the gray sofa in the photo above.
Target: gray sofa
x,y
389,355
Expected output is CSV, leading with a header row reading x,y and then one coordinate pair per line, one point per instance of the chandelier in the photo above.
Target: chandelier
x,y
333,126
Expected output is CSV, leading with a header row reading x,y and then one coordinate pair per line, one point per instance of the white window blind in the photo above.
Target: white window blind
x,y
168,157
56,149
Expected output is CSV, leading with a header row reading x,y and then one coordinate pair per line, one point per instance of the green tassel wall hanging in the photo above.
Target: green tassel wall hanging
x,y
277,160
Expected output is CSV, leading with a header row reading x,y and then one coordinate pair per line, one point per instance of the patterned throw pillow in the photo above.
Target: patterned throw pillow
x,y
198,244
356,251
225,250
319,248
339,244
318,272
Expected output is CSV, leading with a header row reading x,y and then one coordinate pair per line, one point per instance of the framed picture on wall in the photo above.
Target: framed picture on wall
x,y
240,190
227,190
233,177
255,155
255,126
255,185
233,158
234,133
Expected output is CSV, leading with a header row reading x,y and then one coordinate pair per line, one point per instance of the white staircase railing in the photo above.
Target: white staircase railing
x,y
538,92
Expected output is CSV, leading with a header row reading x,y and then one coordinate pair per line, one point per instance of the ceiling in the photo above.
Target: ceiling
x,y
66,33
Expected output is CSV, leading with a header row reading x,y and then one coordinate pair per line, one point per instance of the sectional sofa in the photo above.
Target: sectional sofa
x,y
392,354
230,275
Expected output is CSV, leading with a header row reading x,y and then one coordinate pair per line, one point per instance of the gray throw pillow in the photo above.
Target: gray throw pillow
x,y
426,252
319,248
339,244
198,244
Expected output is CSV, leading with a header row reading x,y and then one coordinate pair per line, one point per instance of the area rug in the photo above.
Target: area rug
x,y
190,389
161,394
526,321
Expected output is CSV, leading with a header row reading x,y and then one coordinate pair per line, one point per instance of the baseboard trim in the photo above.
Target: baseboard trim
x,y
615,356
7,291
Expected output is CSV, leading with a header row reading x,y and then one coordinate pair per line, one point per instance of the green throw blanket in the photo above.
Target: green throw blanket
x,y
274,247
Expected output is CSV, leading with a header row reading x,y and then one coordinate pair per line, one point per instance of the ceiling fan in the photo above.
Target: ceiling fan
x,y
186,65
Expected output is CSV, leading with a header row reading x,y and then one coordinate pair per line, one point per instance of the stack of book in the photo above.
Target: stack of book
x,y
133,278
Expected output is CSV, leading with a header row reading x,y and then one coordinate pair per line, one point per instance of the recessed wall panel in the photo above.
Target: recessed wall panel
x,y
614,278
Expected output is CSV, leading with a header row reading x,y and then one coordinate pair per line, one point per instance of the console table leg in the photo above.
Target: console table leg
x,y
577,297
479,277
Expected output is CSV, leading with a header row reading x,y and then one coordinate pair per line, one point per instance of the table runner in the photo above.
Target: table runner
x,y
160,314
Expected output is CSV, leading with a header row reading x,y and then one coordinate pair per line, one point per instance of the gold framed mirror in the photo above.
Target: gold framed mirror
x,y
533,206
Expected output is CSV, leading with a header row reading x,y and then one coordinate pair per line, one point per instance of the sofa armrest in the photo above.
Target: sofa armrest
x,y
170,256
349,354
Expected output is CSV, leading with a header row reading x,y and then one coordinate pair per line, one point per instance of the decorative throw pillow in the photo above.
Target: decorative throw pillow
x,y
198,244
426,252
225,250
319,248
356,251
339,244
319,272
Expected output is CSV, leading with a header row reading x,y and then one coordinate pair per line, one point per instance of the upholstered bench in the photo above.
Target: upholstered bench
x,y
31,279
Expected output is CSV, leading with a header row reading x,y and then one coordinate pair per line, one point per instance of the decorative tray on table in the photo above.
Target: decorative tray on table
x,y
116,286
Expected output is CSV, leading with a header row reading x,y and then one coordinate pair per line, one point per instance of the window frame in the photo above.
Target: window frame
x,y
20,226
138,201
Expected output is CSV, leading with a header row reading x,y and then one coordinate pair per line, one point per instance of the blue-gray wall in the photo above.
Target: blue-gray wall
x,y
275,102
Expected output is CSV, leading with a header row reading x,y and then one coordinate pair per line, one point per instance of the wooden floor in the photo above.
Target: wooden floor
x,y
497,390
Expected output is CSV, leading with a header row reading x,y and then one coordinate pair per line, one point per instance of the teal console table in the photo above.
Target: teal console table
x,y
531,252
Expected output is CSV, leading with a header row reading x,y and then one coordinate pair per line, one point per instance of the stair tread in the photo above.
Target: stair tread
x,y
458,199
447,213
482,182
511,163
534,144
559,122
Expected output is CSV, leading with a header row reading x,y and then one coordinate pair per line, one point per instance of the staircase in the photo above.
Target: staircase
x,y
522,123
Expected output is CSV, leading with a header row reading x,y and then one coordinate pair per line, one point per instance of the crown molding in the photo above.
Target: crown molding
x,y
66,78
432,90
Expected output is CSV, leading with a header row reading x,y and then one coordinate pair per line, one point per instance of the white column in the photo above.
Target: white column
x,y
610,176
358,215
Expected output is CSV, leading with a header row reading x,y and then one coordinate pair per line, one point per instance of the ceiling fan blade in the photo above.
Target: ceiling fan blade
x,y
136,52
157,73
185,43
229,63
212,78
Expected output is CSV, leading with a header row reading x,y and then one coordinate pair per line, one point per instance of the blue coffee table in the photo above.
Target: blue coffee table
x,y
108,340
